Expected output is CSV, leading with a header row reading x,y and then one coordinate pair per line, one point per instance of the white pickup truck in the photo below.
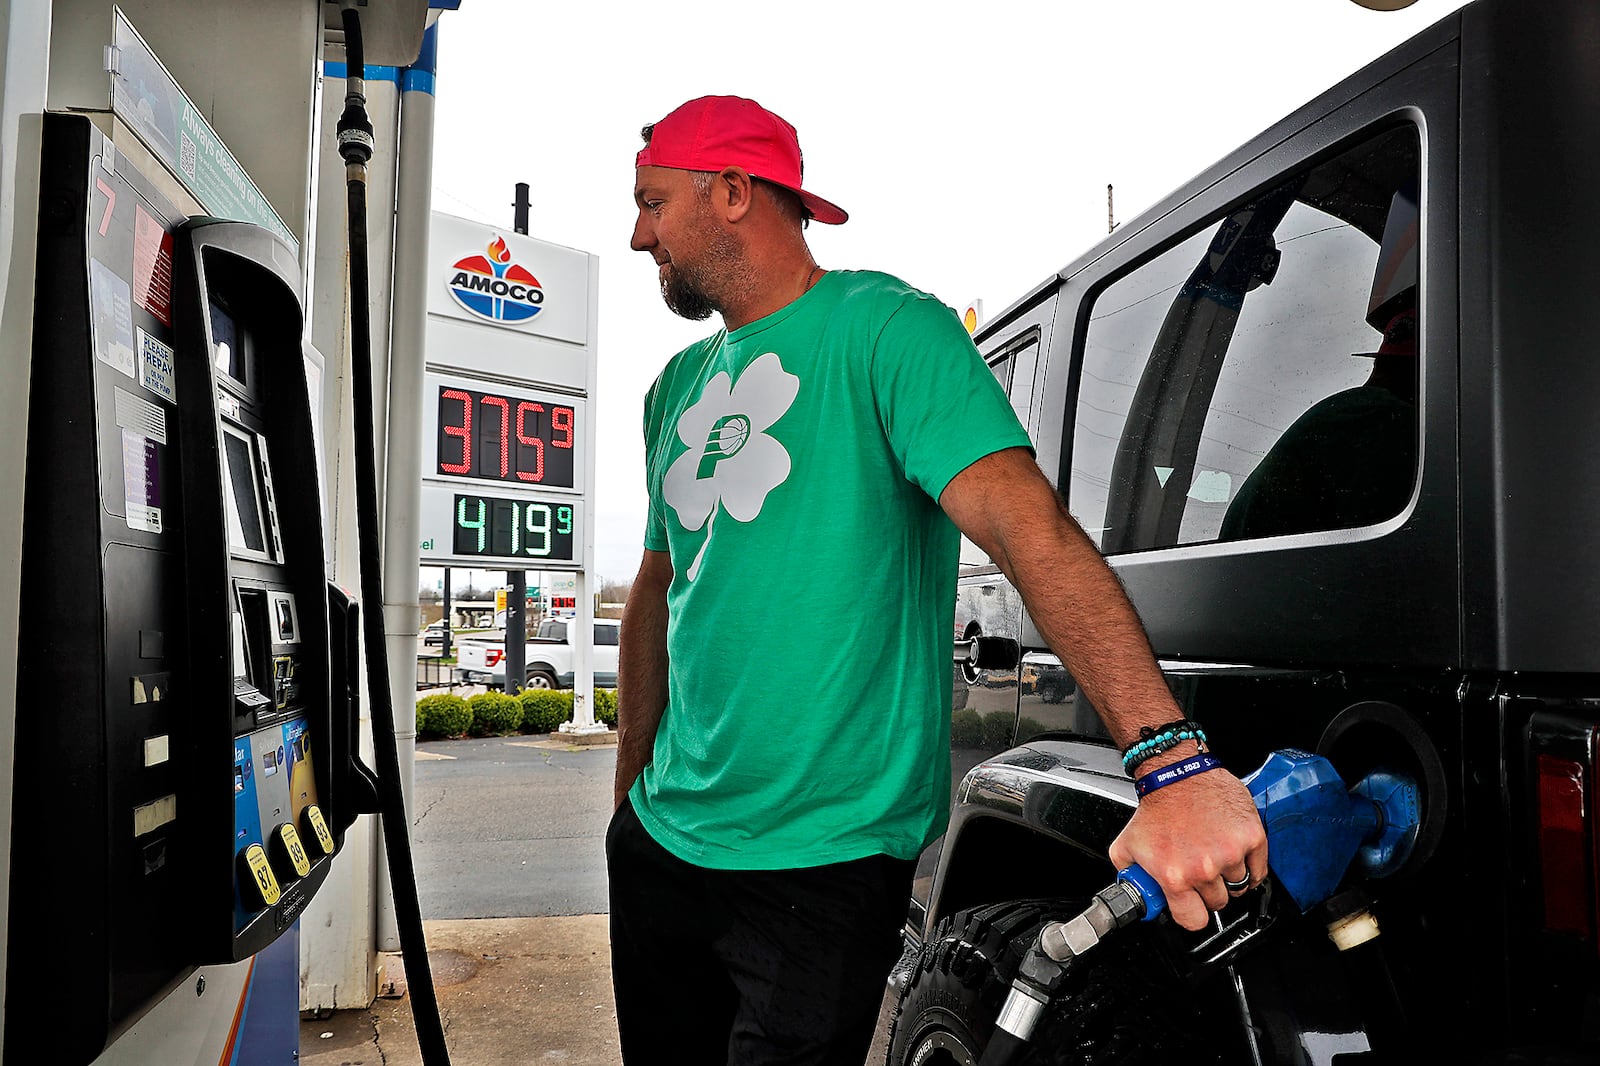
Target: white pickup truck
x,y
548,657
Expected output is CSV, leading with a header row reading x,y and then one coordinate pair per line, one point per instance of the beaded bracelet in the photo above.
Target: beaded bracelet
x,y
1176,772
1157,739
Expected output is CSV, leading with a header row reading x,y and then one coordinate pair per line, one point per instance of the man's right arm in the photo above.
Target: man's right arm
x,y
641,670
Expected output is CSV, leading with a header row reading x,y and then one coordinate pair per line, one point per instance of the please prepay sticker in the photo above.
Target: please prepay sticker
x,y
156,370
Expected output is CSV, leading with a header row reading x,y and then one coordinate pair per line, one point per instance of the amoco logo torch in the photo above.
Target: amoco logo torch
x,y
494,288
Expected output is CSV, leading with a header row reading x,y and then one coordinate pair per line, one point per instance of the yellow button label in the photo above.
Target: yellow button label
x,y
319,828
294,849
267,890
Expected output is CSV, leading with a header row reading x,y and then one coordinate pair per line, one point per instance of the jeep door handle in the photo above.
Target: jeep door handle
x,y
988,653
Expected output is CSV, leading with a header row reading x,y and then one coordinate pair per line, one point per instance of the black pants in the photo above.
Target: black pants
x,y
748,967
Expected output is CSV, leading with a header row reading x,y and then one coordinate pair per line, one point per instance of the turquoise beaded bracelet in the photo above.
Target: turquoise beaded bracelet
x,y
1157,739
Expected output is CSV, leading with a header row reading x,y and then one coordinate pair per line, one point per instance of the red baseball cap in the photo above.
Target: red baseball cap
x,y
713,132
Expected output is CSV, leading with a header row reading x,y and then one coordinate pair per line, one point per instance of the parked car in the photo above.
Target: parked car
x,y
548,657
433,633
1328,411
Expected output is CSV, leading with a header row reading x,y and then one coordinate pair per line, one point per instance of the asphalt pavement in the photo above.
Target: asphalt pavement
x,y
508,843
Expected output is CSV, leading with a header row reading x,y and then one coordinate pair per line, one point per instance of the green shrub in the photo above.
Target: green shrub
x,y
443,714
966,729
997,727
1028,728
605,706
544,709
494,714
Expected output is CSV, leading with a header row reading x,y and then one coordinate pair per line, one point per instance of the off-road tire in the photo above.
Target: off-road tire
x,y
1122,1006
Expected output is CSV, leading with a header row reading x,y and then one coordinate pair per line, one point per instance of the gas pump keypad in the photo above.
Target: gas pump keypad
x,y
285,690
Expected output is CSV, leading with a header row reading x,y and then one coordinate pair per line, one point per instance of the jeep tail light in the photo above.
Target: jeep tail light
x,y
1566,845
492,657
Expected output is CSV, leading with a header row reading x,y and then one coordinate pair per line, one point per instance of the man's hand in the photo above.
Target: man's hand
x,y
641,670
1192,834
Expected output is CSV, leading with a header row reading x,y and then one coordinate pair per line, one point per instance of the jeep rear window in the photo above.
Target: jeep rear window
x,y
1260,378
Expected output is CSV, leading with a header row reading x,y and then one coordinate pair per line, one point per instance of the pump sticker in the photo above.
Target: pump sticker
x,y
151,688
144,430
149,817
113,317
141,416
141,482
156,370
152,265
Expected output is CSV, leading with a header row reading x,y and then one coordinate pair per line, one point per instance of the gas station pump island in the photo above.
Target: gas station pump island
x,y
187,706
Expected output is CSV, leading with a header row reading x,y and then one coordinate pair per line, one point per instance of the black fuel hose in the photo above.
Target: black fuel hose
x,y
355,146
1003,1049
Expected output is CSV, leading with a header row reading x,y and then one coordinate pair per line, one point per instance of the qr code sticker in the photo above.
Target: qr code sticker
x,y
186,155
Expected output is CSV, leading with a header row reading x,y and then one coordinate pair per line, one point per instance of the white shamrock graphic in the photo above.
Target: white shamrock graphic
x,y
730,460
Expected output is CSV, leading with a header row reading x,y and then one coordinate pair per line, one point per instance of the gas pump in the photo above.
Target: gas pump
x,y
185,751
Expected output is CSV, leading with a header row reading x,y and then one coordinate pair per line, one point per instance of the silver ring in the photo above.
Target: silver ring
x,y
1239,885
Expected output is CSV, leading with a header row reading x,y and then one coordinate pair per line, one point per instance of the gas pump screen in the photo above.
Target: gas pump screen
x,y
512,529
245,528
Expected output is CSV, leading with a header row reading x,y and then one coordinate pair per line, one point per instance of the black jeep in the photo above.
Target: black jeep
x,y
1328,411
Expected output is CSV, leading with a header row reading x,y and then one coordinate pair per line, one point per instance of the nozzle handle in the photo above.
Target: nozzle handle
x,y
1155,901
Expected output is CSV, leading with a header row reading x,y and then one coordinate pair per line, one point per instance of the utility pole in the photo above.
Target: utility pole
x,y
517,596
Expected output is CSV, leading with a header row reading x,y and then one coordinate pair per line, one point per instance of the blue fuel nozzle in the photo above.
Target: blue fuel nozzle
x,y
1317,827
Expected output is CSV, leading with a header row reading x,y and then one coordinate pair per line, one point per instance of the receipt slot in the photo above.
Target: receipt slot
x,y
185,764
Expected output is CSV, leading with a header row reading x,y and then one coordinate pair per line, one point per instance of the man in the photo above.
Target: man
x,y
781,763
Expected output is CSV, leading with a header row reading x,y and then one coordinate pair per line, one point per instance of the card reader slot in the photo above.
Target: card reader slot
x,y
251,689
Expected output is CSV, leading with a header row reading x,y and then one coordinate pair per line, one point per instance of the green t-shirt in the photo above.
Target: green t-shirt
x,y
794,466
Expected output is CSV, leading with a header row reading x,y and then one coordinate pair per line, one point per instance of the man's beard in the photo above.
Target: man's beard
x,y
685,295
697,290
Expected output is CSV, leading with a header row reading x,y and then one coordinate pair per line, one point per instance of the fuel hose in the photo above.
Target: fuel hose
x,y
355,147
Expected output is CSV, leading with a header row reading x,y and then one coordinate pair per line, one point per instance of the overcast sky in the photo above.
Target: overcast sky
x,y
971,143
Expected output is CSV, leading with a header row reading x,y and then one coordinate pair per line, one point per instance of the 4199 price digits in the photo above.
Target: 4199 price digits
x,y
490,525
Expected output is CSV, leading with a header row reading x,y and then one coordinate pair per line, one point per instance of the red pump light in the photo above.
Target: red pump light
x,y
1565,847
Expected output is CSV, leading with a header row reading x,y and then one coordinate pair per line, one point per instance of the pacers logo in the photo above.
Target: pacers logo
x,y
726,438
494,288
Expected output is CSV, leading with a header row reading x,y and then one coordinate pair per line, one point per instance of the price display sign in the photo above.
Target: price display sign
x,y
502,436
500,530
530,531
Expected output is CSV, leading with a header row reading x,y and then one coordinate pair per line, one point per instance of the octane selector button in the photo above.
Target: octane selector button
x,y
257,884
316,827
289,856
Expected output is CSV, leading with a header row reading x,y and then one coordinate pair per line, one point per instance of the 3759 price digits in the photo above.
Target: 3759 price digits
x,y
489,525
505,438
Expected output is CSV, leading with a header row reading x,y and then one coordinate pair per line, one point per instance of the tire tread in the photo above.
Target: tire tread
x,y
1121,1007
